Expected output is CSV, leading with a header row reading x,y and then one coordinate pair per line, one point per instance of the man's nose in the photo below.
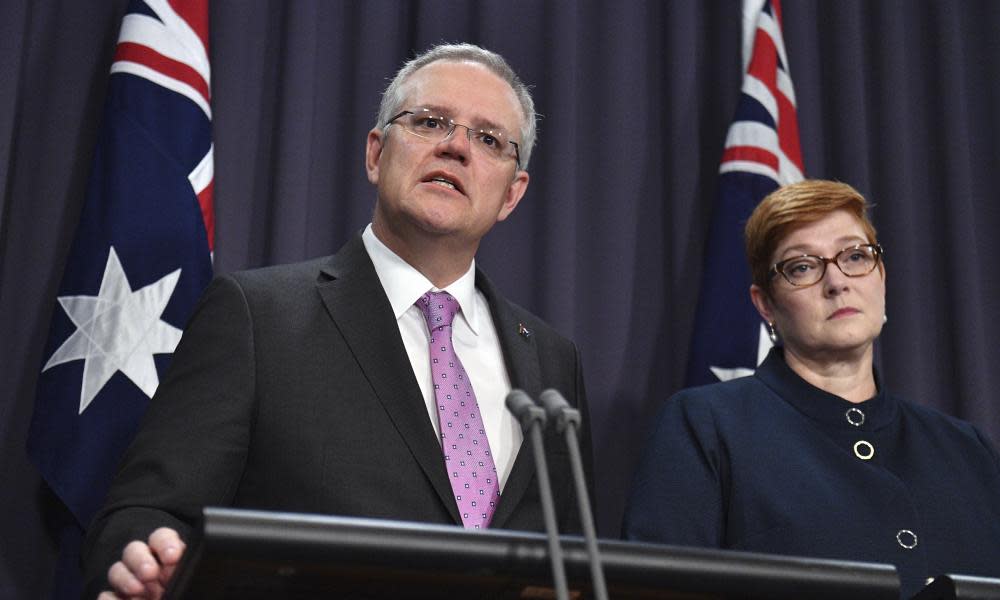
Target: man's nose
x,y
457,143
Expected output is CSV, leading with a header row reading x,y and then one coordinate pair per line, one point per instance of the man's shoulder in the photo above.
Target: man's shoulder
x,y
535,325
290,276
510,314
283,274
281,288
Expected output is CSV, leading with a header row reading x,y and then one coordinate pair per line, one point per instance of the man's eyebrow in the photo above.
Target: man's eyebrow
x,y
441,111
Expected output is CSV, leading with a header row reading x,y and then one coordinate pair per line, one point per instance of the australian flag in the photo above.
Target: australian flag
x,y
139,262
762,153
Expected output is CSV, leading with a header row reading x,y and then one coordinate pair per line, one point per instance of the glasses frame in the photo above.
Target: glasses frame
x,y
778,267
453,125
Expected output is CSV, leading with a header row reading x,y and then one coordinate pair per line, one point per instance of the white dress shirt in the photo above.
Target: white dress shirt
x,y
474,338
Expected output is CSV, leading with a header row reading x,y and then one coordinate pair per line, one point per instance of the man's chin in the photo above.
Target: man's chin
x,y
439,226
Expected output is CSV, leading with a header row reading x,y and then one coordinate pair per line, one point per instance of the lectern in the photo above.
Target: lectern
x,y
252,554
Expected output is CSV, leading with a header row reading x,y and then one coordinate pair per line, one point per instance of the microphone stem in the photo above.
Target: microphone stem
x,y
549,514
586,515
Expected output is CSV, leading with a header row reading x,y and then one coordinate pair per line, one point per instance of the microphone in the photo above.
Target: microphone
x,y
532,419
567,420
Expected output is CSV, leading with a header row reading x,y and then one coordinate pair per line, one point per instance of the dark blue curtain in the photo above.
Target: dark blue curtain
x,y
898,98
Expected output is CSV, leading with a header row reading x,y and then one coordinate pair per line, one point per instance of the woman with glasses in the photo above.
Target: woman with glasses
x,y
812,455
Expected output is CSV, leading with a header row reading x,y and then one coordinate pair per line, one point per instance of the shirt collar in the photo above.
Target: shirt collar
x,y
404,285
823,406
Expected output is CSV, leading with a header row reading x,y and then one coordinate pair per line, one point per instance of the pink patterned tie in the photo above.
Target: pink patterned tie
x,y
466,450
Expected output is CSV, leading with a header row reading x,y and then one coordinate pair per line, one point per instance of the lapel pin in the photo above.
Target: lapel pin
x,y
524,331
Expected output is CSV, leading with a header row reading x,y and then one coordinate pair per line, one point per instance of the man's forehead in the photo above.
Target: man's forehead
x,y
463,89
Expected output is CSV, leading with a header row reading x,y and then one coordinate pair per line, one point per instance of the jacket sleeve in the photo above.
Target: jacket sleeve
x,y
678,492
191,446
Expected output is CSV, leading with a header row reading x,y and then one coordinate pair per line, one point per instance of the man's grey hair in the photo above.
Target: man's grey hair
x,y
392,98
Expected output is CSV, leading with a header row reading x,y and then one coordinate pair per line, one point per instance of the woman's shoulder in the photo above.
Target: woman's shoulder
x,y
931,416
936,424
740,390
734,400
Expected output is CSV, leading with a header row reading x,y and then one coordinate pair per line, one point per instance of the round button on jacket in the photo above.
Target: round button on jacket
x,y
864,450
906,538
855,416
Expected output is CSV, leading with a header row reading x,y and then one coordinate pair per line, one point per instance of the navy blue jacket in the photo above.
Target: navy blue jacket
x,y
770,463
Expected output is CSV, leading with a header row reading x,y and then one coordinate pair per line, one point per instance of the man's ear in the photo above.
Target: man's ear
x,y
762,302
515,191
373,152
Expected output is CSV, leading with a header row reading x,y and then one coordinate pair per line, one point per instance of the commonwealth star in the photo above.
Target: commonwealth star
x,y
118,330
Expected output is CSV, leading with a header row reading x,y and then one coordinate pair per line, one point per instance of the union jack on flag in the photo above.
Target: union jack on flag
x,y
139,262
762,153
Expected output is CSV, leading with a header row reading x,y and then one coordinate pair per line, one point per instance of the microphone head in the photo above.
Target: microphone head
x,y
553,402
518,402
524,408
558,409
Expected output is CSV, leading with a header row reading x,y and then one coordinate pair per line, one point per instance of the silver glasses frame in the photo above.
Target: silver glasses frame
x,y
500,135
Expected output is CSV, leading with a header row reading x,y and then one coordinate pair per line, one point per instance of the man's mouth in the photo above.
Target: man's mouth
x,y
446,181
443,183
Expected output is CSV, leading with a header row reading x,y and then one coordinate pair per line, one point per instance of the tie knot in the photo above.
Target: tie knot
x,y
439,309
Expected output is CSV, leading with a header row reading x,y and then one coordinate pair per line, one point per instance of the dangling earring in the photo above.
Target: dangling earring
x,y
885,319
772,333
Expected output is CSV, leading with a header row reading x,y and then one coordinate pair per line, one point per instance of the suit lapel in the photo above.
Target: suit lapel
x,y
521,359
354,298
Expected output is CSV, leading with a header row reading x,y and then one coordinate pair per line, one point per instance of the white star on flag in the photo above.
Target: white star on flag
x,y
118,330
763,347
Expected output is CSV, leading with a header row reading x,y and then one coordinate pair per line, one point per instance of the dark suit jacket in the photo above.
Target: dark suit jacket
x,y
291,390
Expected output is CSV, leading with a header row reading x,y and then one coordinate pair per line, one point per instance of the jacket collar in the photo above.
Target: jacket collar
x,y
354,298
822,406
520,356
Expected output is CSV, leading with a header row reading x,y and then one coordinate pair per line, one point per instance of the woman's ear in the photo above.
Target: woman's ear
x,y
762,302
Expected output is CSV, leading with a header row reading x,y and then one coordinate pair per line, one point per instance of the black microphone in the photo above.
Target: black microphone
x,y
567,420
532,419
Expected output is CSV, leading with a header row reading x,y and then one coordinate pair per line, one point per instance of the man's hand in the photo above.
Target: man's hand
x,y
145,567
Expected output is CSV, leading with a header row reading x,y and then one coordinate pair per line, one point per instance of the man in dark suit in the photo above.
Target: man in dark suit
x,y
316,387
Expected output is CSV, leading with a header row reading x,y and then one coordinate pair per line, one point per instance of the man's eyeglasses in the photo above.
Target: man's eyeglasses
x,y
806,270
423,123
